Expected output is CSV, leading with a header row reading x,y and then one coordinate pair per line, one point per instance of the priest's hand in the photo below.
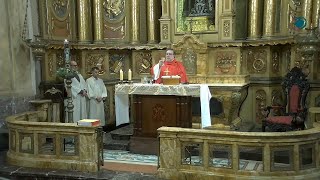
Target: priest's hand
x,y
99,99
84,93
161,62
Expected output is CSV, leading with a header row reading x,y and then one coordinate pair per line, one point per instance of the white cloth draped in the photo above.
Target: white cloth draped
x,y
96,88
156,71
205,97
123,90
122,109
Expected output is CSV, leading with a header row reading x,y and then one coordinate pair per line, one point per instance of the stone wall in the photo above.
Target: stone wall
x,y
16,66
17,84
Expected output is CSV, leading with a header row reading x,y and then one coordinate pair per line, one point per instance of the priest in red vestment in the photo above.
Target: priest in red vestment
x,y
170,67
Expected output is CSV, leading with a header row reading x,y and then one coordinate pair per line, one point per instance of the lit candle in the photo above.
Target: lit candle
x,y
129,75
121,75
66,51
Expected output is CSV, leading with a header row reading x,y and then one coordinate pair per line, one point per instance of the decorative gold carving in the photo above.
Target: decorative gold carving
x,y
159,114
277,100
227,79
199,23
60,8
116,62
114,19
257,61
95,60
59,18
60,59
189,58
165,31
197,48
114,8
143,62
226,62
190,41
50,65
276,62
226,28
260,105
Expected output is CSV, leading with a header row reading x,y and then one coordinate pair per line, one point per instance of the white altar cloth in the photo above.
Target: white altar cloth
x,y
197,90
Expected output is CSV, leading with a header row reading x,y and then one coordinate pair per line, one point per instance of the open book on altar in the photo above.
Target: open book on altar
x,y
89,122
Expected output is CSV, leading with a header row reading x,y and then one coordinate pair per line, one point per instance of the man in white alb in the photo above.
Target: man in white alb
x,y
79,94
97,92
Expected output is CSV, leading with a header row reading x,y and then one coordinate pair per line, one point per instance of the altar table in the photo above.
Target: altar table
x,y
196,90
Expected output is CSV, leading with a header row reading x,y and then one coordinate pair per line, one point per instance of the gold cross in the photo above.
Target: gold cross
x,y
167,71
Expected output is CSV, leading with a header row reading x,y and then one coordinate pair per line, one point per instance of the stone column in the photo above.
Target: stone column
x,y
316,13
255,20
152,21
165,23
307,12
84,25
98,21
135,18
269,18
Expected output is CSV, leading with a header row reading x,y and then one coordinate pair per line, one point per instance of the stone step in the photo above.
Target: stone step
x,y
123,133
111,144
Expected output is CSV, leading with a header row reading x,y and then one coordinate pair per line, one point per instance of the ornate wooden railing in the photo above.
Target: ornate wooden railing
x,y
52,145
206,154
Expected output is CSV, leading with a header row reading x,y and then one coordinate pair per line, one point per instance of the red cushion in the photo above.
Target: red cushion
x,y
294,98
280,120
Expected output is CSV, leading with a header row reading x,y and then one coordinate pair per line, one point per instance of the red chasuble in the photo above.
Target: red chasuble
x,y
171,69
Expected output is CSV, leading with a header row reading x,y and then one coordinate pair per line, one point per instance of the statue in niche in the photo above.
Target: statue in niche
x,y
199,8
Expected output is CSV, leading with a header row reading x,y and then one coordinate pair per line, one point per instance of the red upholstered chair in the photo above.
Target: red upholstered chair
x,y
294,112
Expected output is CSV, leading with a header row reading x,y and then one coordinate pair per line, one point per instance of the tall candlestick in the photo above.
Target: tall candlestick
x,y
121,75
129,75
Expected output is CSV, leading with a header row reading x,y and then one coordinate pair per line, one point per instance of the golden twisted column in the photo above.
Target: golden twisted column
x,y
269,18
98,21
135,19
255,20
84,18
315,13
152,21
307,12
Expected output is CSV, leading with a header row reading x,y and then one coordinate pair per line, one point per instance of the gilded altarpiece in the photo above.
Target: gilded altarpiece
x,y
97,59
54,59
58,20
193,53
142,62
114,20
195,16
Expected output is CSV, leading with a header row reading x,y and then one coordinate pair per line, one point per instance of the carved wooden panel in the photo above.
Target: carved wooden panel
x,y
276,55
95,60
114,19
143,62
59,20
257,61
189,58
116,62
260,105
152,112
225,62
